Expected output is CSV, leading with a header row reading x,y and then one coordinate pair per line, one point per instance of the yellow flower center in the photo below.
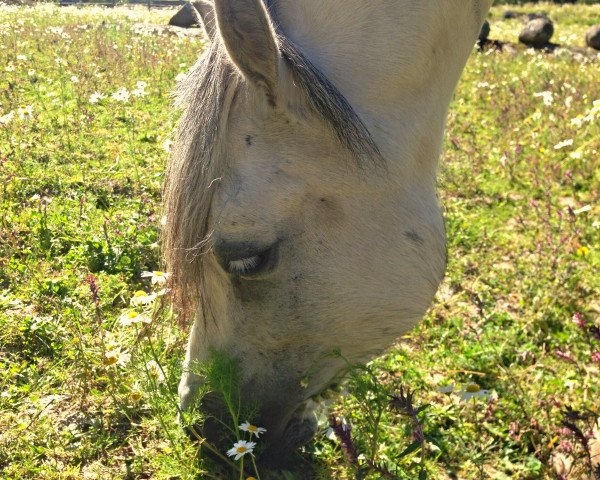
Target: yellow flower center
x,y
132,314
252,428
241,449
472,387
159,274
111,360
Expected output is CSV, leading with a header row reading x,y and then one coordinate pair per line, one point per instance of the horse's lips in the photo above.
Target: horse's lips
x,y
290,436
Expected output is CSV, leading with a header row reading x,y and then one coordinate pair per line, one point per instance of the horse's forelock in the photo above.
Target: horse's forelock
x,y
194,165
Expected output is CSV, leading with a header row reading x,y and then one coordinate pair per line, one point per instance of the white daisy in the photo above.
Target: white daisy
x,y
563,144
6,119
547,97
142,298
472,390
116,356
253,429
25,113
157,277
121,95
240,449
155,371
131,317
140,89
96,97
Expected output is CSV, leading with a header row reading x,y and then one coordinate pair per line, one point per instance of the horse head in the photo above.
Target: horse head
x,y
303,229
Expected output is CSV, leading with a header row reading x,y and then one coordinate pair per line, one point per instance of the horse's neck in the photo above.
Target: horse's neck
x,y
397,61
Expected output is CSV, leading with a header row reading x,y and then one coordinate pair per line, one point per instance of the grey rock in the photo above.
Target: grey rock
x,y
592,37
534,16
510,14
537,32
484,33
184,17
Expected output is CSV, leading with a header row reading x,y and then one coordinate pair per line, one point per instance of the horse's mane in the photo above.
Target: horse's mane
x,y
206,95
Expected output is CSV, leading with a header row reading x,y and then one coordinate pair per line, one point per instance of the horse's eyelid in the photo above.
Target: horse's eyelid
x,y
237,251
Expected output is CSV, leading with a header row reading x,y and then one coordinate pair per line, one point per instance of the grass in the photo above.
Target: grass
x,y
85,394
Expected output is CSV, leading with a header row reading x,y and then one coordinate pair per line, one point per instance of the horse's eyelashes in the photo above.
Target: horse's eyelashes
x,y
244,265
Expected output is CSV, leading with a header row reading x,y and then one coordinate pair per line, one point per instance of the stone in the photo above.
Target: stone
x,y
534,16
592,37
185,17
537,32
484,33
509,14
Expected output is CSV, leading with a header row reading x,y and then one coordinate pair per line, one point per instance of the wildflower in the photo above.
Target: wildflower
x,y
140,90
579,320
167,145
21,57
136,394
31,72
155,371
563,144
121,95
116,356
583,251
6,119
56,30
577,155
472,390
131,317
74,79
577,121
25,113
142,298
342,431
240,449
565,356
565,446
157,277
10,68
596,357
547,97
96,97
253,429
568,101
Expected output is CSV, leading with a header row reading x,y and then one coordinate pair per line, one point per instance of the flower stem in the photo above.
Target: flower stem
x,y
255,467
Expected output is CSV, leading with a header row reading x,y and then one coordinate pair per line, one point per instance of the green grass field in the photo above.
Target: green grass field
x,y
505,368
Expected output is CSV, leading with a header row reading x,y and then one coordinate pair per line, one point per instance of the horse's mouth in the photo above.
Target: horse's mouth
x,y
299,431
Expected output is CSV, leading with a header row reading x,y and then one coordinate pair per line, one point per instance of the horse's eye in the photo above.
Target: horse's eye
x,y
245,260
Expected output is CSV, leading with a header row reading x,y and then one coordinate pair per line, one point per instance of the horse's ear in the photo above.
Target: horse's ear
x,y
205,15
249,36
